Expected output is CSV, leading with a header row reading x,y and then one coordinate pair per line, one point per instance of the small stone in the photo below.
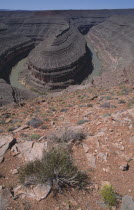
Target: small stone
x,y
98,123
96,187
8,120
124,166
52,123
106,170
95,151
14,171
85,147
122,148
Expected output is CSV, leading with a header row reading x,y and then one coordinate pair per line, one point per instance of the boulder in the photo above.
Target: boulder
x,y
127,203
31,151
37,192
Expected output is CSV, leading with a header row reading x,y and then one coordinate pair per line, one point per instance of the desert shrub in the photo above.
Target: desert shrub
x,y
63,110
131,103
35,137
108,195
56,167
68,135
123,91
108,98
46,119
80,122
27,205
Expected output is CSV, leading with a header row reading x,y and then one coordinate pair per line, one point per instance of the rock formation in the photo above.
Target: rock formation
x,y
60,60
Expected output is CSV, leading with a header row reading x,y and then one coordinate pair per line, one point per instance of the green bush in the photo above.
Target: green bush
x,y
56,166
108,195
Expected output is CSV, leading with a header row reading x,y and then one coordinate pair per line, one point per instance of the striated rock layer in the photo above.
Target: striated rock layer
x,y
113,41
59,61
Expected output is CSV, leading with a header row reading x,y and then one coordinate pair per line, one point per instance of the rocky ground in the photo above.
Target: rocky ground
x,y
106,116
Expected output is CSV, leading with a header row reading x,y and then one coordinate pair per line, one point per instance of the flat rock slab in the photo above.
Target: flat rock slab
x,y
127,203
6,142
38,192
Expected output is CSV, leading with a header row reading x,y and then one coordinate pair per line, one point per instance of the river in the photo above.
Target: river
x,y
15,74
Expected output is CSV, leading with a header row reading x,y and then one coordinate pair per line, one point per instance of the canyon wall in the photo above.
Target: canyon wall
x,y
11,48
113,41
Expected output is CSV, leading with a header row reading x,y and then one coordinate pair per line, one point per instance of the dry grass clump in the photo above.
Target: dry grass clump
x,y
57,168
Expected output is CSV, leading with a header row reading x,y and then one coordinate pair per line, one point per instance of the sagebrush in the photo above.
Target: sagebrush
x,y
55,167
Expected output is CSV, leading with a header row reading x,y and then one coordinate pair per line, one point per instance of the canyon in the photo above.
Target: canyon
x,y
64,48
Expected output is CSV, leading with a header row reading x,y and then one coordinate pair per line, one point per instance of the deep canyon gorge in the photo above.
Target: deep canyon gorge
x,y
45,51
